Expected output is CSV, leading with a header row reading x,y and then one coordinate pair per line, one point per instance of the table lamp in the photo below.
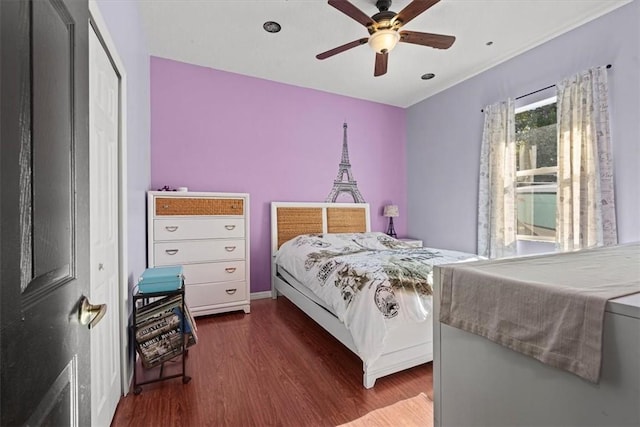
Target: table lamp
x,y
391,211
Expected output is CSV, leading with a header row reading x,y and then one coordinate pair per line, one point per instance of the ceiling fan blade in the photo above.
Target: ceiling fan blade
x,y
413,9
352,12
439,41
381,64
346,46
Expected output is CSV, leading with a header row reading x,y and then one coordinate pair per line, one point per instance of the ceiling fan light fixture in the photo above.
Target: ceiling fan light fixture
x,y
383,41
384,30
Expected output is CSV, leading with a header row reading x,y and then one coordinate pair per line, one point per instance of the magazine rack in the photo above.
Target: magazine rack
x,y
162,329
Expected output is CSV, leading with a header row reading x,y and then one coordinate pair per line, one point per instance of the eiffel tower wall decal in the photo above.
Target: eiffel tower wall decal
x,y
344,182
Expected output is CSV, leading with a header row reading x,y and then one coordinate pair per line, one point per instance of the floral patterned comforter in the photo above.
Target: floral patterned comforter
x,y
371,281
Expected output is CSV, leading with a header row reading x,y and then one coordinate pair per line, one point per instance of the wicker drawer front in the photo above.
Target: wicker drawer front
x,y
228,271
198,228
198,206
176,253
215,293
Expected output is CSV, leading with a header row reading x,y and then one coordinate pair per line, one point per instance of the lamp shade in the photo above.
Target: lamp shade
x,y
390,211
383,41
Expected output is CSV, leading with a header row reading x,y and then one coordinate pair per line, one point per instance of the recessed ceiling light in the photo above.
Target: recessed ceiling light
x,y
271,27
428,76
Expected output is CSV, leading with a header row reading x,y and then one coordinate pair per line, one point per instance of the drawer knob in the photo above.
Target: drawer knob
x,y
230,269
171,228
171,251
229,227
230,248
231,291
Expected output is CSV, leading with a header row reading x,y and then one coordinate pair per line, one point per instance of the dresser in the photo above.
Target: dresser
x,y
208,234
478,382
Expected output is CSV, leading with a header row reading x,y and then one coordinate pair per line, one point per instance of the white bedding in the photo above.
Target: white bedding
x,y
372,282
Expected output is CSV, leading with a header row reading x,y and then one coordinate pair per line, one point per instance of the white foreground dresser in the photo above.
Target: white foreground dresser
x,y
480,383
208,234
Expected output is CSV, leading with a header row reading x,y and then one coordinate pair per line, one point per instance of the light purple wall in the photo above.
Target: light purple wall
x,y
444,131
218,131
125,27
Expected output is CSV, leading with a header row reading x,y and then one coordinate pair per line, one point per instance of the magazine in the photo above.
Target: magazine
x,y
161,328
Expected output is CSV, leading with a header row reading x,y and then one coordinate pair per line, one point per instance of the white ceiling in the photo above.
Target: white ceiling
x,y
228,35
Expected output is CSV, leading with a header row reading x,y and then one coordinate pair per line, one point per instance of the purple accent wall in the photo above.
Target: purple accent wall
x,y
217,131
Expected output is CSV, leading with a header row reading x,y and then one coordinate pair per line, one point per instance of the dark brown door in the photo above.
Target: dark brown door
x,y
44,212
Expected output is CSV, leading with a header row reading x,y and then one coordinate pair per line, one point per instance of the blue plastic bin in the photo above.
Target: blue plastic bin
x,y
160,279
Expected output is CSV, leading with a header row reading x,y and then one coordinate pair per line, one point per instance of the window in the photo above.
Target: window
x,y
536,170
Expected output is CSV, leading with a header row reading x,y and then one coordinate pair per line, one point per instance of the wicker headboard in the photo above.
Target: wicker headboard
x,y
290,219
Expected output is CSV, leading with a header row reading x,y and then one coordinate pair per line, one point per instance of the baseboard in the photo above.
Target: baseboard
x,y
260,295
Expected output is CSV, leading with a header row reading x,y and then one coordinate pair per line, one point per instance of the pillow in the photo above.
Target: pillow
x,y
346,242
373,240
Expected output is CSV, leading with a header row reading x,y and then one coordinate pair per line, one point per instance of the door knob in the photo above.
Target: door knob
x,y
91,314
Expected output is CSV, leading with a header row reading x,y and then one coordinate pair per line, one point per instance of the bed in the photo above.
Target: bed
x,y
406,340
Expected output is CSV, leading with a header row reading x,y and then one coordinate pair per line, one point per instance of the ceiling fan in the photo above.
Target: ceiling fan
x,y
384,30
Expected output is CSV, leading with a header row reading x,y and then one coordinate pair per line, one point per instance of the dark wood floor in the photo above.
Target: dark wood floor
x,y
273,367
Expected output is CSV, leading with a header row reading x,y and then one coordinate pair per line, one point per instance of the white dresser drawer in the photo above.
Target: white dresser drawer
x,y
198,228
194,251
230,271
215,293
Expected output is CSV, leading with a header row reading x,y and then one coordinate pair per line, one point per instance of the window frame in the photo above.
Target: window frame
x,y
542,99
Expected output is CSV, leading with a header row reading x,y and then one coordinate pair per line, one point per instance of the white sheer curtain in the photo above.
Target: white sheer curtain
x,y
585,200
497,188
